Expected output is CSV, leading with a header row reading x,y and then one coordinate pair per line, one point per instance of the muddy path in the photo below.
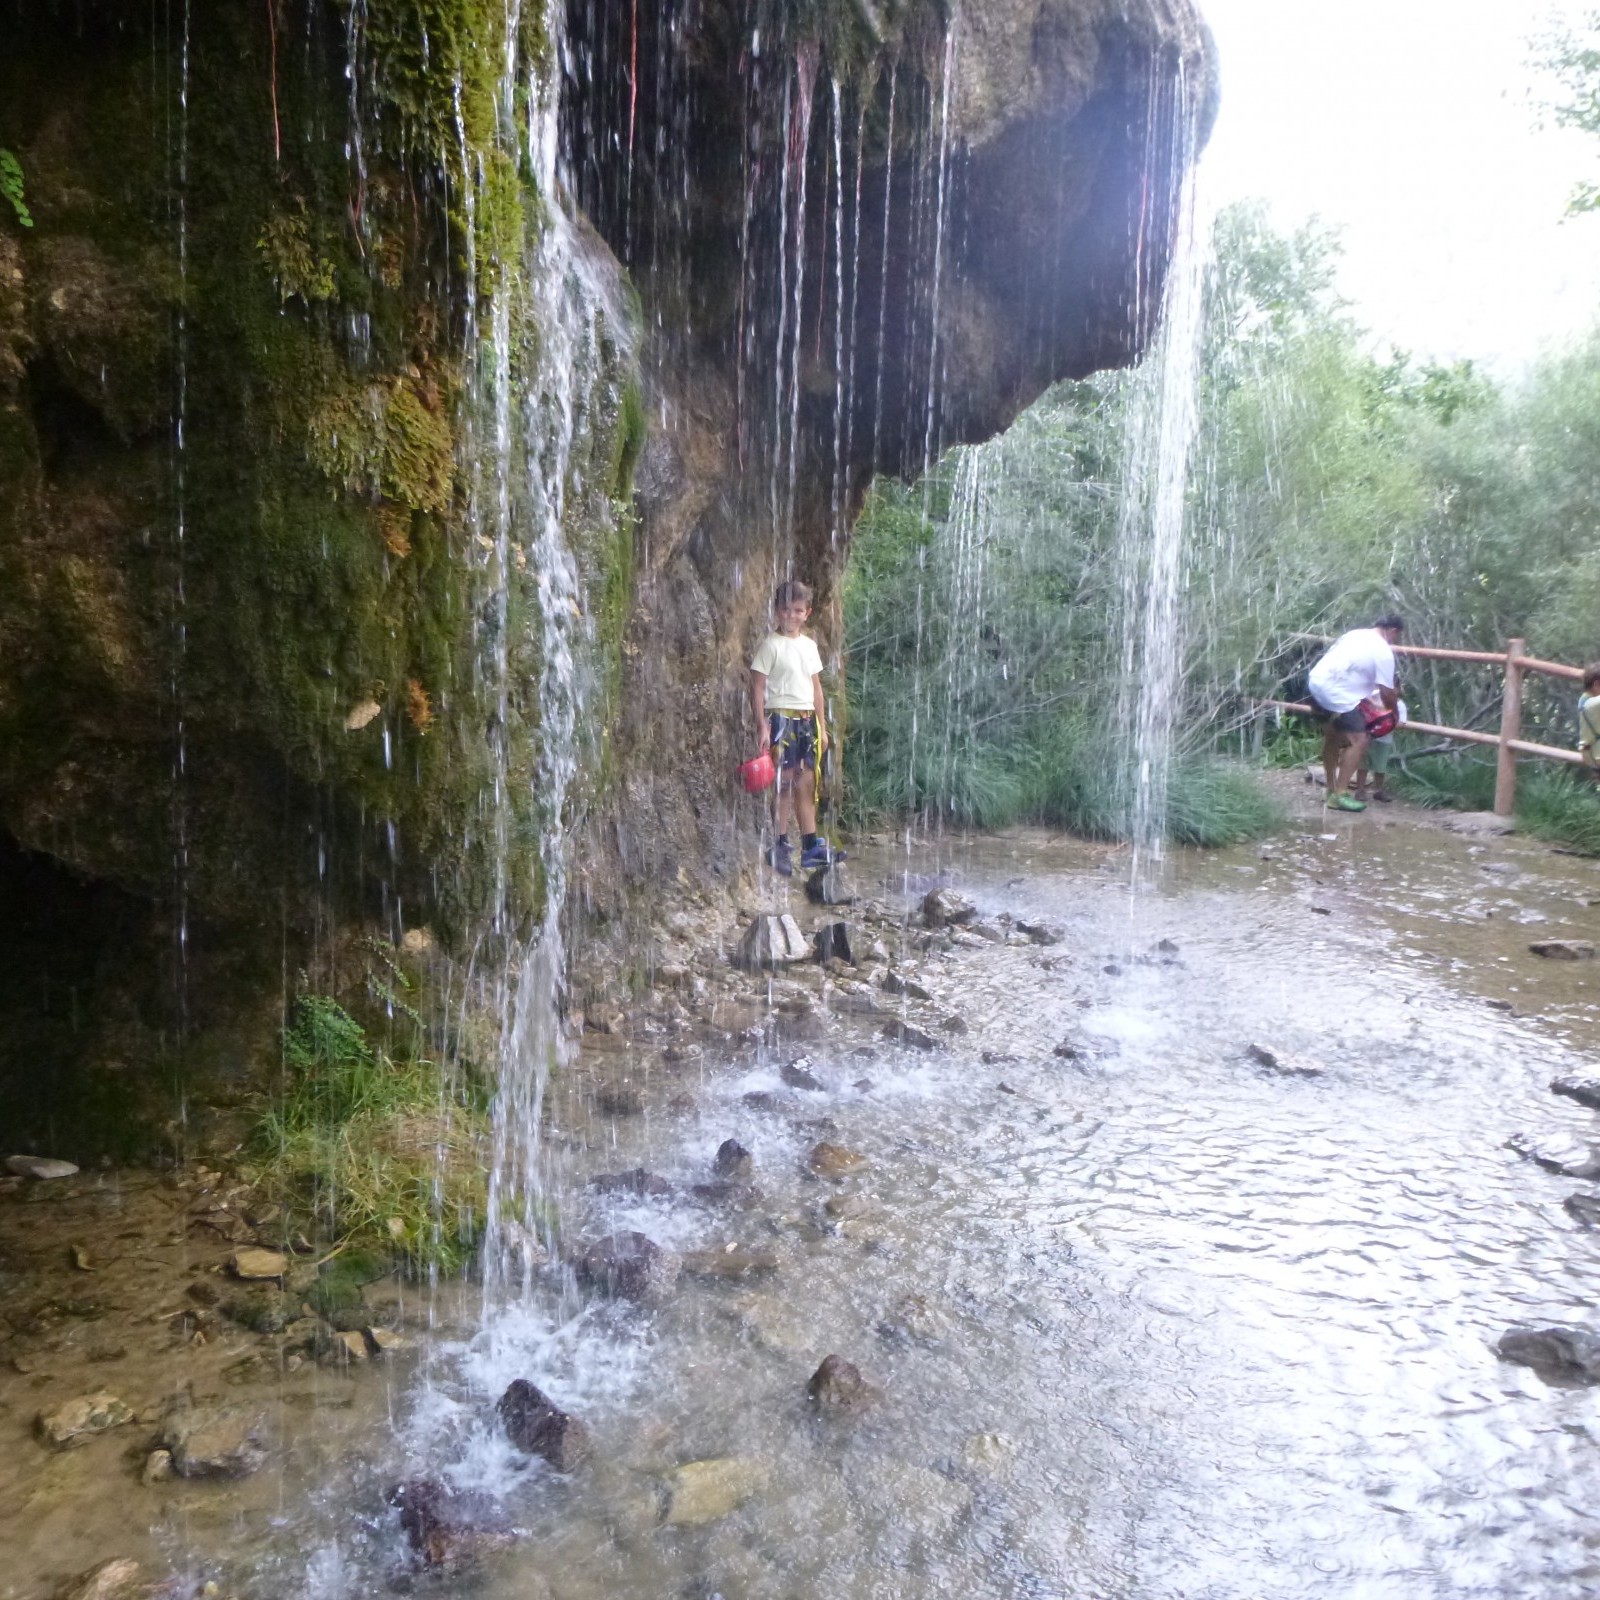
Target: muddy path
x,y
1145,1315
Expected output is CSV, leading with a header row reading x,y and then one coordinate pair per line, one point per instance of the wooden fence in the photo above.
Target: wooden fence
x,y
1515,662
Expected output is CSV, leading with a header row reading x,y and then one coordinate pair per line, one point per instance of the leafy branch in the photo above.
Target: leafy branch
x,y
11,186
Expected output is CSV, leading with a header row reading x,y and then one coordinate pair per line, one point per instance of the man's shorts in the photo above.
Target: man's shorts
x,y
1352,721
794,739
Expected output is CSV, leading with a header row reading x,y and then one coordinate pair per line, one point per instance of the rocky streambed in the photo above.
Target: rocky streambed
x,y
1094,1243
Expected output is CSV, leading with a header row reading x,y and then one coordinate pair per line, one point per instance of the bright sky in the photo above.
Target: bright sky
x,y
1409,124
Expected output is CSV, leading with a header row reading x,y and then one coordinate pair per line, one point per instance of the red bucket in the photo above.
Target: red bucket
x,y
758,773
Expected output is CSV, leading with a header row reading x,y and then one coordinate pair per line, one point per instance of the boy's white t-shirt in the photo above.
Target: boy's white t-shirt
x,y
1356,664
789,666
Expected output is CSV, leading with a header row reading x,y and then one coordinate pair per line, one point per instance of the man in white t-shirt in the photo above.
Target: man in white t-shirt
x,y
786,695
1357,666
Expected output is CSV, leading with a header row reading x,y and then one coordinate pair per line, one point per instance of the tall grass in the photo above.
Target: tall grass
x,y
376,1149
1553,803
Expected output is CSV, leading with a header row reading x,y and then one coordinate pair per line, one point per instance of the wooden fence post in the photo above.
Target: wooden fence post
x,y
1505,777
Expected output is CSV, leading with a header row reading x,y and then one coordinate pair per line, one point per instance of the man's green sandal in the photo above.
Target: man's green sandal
x,y
1348,802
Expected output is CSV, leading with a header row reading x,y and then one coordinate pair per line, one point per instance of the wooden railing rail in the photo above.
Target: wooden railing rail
x,y
1508,741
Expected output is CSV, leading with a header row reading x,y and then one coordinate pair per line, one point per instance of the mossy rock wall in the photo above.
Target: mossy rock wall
x,y
262,671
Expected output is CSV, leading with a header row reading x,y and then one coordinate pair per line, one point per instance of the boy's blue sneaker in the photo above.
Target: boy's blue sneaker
x,y
820,854
781,859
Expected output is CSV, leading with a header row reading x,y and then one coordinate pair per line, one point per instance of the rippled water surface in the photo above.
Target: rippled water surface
x,y
1180,1326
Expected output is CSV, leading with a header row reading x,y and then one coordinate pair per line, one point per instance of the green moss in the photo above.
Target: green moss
x,y
297,268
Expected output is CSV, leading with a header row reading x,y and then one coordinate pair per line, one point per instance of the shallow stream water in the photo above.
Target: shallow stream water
x,y
1149,1319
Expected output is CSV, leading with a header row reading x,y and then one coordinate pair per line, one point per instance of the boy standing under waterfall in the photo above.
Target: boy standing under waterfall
x,y
786,693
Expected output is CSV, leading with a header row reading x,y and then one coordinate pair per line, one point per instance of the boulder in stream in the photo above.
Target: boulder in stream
x,y
1586,1091
215,1441
837,1389
537,1426
798,1075
628,1266
1040,932
832,942
701,1492
828,886
1568,1355
944,908
729,1263
1583,1208
1562,1154
771,941
119,1579
732,1161
446,1527
909,1034
834,1161
894,983
1563,949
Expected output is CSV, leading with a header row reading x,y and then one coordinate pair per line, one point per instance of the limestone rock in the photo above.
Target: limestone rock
x,y
835,1161
1586,1091
944,908
838,1389
908,1034
990,932
628,1266
634,1181
1563,949
701,1492
732,1160
1561,1154
1584,1209
828,886
157,1467
854,1003
216,1441
537,1426
894,983
1040,932
40,1168
771,942
77,1421
1564,1354
253,1264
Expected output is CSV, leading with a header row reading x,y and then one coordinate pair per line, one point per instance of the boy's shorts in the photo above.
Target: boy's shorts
x,y
794,739
1380,753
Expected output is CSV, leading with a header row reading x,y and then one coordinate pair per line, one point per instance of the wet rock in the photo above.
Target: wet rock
x,y
837,1389
914,1321
833,942
120,1579
1586,1091
841,1207
989,931
854,1003
732,1160
1479,823
701,1492
863,1085
1584,1209
729,1263
385,1341
1286,1066
763,1100
1570,1355
257,1264
894,983
619,1100
40,1168
1040,932
157,1468
215,1441
347,1344
1563,949
447,1528
635,1181
797,1076
1561,1154
954,1025
829,886
771,942
537,1426
909,1034
77,1421
944,908
269,1312
1499,1005
628,1266
1066,1051
835,1161
1001,1058
724,1192
986,1454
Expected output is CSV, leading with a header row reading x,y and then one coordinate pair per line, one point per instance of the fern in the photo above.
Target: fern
x,y
11,186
